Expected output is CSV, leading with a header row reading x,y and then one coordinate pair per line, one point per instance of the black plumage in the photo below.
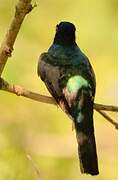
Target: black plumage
x,y
69,77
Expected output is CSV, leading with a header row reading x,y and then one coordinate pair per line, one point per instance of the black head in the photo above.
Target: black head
x,y
65,33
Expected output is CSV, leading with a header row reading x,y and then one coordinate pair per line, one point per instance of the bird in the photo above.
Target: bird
x,y
70,79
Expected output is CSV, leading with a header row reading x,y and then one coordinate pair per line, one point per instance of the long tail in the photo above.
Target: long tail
x,y
85,134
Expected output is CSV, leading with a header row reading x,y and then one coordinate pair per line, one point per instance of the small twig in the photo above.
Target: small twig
x,y
35,5
34,165
106,116
105,107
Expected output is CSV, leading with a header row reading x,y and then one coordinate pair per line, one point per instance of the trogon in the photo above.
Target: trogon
x,y
70,79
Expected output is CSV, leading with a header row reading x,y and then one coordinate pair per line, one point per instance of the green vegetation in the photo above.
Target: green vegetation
x,y
42,130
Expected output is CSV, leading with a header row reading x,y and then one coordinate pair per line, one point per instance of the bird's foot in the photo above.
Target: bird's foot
x,y
18,90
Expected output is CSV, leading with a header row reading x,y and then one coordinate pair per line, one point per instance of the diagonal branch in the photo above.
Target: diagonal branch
x,y
20,91
34,165
111,120
105,107
22,8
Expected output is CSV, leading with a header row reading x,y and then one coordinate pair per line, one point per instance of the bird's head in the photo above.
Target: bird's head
x,y
65,33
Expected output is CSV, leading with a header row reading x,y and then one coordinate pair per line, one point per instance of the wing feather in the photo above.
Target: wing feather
x,y
56,78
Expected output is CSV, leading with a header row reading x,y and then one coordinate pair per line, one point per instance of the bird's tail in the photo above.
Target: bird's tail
x,y
85,134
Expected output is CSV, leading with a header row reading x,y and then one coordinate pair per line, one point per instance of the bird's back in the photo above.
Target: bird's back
x,y
73,62
70,79
58,65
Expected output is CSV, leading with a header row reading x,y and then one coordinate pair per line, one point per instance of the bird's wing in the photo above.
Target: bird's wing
x,y
64,81
51,75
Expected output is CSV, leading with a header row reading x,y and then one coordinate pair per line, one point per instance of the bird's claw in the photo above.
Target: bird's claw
x,y
18,90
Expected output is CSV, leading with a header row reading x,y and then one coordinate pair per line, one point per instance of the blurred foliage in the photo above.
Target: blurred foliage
x,y
42,130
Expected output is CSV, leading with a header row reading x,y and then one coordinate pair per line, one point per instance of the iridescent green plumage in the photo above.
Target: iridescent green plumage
x,y
76,82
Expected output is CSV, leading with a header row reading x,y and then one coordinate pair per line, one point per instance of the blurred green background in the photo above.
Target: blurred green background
x,y
43,131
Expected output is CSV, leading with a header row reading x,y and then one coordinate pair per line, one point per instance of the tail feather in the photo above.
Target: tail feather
x,y
85,134
87,154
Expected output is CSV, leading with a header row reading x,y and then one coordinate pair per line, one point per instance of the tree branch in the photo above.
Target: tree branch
x,y
22,8
106,116
105,107
20,91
